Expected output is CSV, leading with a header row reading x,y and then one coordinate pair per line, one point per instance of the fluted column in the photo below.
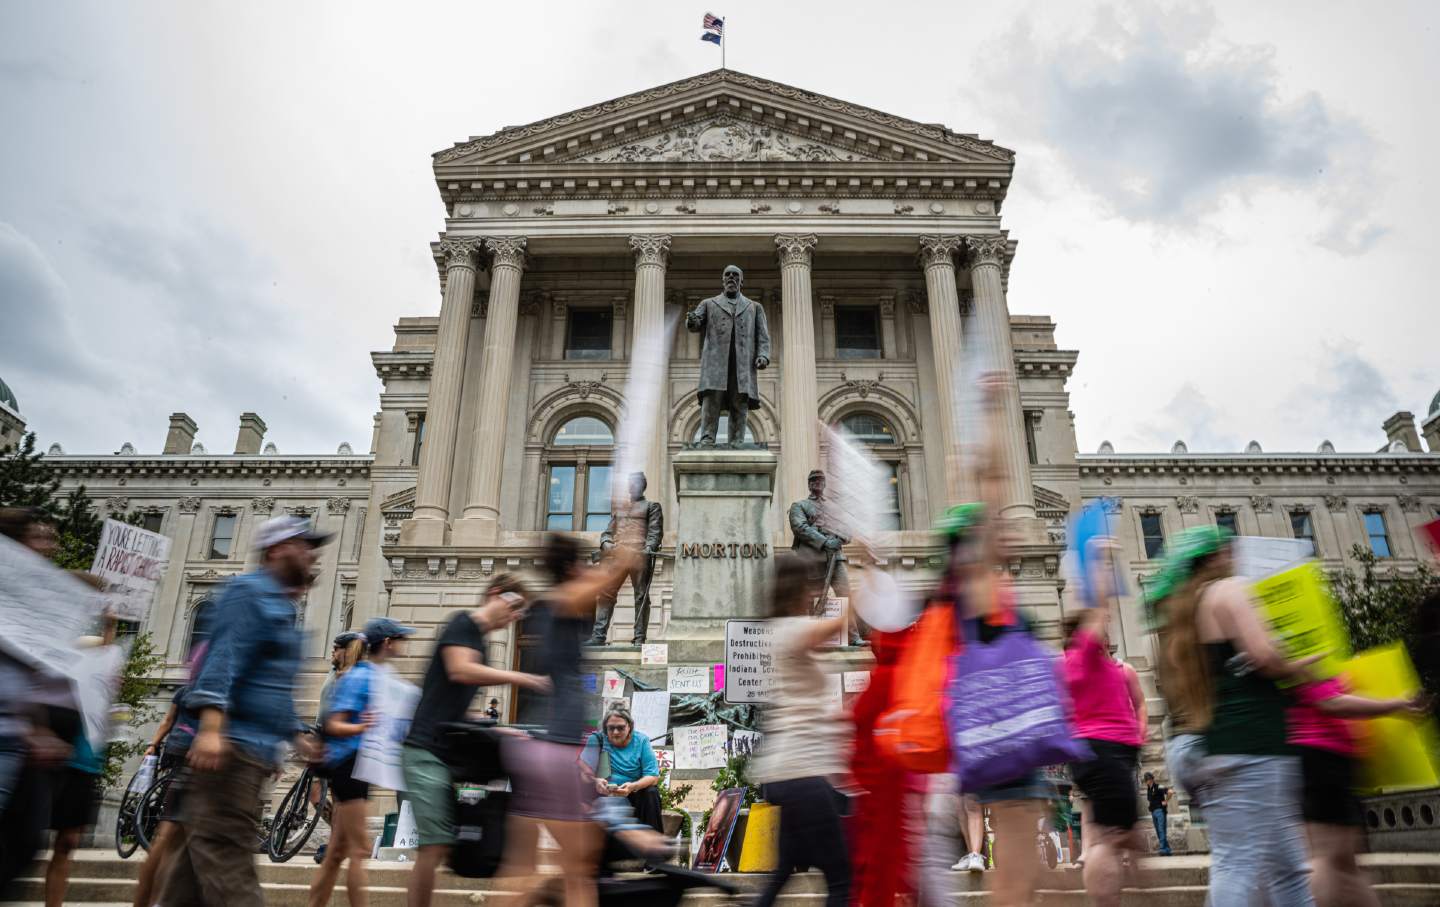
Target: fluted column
x,y
992,331
482,502
442,412
652,254
800,449
937,256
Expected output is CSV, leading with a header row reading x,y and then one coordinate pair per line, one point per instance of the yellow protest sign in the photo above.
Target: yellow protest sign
x,y
1400,750
1298,605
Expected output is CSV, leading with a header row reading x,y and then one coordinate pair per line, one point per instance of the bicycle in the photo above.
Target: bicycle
x,y
295,820
126,841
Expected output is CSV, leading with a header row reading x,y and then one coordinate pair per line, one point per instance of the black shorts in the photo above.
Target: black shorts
x,y
1329,788
343,786
76,800
1110,783
175,795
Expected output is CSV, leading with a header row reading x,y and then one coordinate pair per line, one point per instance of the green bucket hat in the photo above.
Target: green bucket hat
x,y
959,521
1181,553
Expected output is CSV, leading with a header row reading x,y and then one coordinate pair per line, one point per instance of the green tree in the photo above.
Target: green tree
x,y
1379,606
24,480
134,705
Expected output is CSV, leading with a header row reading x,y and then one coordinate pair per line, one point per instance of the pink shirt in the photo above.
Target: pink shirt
x,y
1100,691
1311,727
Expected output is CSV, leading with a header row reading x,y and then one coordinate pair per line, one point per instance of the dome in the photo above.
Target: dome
x,y
1325,447
1253,448
7,397
197,449
1179,448
1106,448
270,449
56,450
127,449
345,450
1398,446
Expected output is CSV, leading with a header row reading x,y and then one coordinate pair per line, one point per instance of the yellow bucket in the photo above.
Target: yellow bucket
x,y
760,851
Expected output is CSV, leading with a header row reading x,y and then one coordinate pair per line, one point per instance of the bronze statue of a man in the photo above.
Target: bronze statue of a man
x,y
736,344
643,521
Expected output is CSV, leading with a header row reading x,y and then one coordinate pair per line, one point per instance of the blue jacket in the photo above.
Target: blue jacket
x,y
349,699
249,670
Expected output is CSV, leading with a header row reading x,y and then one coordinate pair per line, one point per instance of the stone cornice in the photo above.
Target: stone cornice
x,y
574,133
402,365
1258,465
230,466
1040,363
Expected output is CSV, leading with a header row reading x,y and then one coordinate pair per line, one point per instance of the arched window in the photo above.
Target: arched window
x,y
722,431
577,476
876,432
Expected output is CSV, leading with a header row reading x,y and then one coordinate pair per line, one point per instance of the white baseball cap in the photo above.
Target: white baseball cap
x,y
284,528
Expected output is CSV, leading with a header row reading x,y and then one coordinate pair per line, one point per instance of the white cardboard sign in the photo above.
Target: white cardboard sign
x,y
613,685
652,712
700,746
393,701
857,681
132,562
654,653
688,679
43,610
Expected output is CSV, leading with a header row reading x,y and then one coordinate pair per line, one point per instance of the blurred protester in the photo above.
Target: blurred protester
x,y
634,773
349,713
1108,706
1328,742
804,747
644,522
886,840
1157,800
455,674
1220,669
244,695
38,718
549,788
346,650
974,816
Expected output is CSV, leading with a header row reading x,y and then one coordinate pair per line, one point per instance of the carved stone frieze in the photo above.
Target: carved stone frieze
x,y
1336,503
1261,503
795,248
651,250
262,505
337,505
117,505
862,386
189,505
480,306
582,387
1410,503
938,251
722,139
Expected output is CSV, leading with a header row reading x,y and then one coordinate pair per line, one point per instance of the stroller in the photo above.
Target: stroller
x,y
473,753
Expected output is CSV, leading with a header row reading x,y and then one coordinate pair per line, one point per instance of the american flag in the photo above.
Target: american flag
x,y
714,22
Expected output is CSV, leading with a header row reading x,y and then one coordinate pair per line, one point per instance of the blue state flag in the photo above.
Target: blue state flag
x,y
712,38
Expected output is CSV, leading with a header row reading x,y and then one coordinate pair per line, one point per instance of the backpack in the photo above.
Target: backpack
x,y
911,732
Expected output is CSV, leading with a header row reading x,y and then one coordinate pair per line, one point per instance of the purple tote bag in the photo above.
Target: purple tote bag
x,y
1007,710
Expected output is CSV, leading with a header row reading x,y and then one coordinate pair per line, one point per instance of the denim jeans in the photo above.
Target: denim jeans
x,y
1252,804
1158,816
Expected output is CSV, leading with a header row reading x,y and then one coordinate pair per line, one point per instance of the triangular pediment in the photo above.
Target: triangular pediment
x,y
723,116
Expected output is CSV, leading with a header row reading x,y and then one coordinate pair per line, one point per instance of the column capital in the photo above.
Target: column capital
x,y
937,250
506,251
651,249
986,250
461,252
794,248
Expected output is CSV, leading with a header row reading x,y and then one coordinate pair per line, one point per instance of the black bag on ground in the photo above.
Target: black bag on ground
x,y
479,832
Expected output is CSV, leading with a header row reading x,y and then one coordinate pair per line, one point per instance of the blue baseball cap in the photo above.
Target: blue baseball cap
x,y
379,629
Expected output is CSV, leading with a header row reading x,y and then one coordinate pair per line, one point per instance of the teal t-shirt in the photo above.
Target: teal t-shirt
x,y
633,761
84,758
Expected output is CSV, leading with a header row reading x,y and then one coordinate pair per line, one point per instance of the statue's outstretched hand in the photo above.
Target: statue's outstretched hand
x,y
761,362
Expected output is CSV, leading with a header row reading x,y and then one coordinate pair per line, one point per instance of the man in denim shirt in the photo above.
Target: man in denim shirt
x,y
244,695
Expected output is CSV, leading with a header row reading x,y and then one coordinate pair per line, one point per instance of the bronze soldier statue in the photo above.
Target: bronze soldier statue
x,y
820,545
736,344
651,519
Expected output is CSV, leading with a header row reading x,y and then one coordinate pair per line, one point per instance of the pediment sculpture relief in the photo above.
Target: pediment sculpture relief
x,y
722,140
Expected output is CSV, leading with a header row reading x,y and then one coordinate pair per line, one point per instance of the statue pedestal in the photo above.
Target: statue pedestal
x,y
723,539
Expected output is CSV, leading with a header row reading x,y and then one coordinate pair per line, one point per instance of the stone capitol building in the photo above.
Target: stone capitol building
x,y
877,248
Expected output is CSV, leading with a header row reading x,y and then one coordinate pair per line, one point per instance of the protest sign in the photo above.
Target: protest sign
x,y
834,607
43,610
406,834
652,712
1400,750
393,702
132,563
857,681
700,746
591,682
688,679
614,685
749,664
719,681
744,743
1298,605
665,761
1257,557
654,653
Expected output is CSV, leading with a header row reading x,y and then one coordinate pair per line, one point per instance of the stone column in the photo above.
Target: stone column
x,y
800,448
442,412
992,329
937,255
481,524
652,254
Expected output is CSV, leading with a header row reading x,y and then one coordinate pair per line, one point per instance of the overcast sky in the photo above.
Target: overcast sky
x,y
213,208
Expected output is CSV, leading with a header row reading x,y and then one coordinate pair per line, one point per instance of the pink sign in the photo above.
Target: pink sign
x,y
719,678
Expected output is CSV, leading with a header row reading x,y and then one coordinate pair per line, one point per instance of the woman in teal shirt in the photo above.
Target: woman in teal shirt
x,y
633,772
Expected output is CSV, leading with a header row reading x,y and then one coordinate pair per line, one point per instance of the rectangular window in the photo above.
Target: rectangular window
x,y
419,439
1153,533
1227,521
890,514
597,498
857,332
588,334
1302,526
150,522
1375,531
1029,421
222,537
560,499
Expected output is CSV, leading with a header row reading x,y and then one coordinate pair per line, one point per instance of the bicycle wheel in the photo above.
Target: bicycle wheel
x,y
147,812
126,841
296,818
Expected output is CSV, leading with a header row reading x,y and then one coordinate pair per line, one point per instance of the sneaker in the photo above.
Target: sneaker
x,y
971,862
